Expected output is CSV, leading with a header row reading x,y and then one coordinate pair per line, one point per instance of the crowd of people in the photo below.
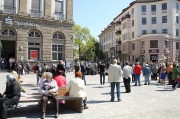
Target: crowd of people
x,y
49,79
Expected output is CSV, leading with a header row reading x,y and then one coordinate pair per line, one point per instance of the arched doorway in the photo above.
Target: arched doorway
x,y
8,46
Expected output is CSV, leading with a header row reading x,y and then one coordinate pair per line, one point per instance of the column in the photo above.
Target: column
x,y
48,9
23,7
69,16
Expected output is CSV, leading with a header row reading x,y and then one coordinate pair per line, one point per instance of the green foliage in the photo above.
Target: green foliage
x,y
86,47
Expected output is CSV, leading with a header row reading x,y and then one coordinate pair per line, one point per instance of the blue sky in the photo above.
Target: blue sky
x,y
97,14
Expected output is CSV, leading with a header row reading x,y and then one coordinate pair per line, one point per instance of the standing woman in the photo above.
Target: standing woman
x,y
163,73
133,75
175,74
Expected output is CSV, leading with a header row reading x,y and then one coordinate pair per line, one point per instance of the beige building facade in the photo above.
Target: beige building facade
x,y
37,30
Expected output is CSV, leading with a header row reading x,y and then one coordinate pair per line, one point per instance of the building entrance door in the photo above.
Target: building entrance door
x,y
7,51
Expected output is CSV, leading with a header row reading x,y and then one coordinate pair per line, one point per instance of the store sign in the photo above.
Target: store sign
x,y
154,51
142,51
166,51
19,23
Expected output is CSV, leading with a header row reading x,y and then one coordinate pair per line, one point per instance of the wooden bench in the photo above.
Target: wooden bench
x,y
63,94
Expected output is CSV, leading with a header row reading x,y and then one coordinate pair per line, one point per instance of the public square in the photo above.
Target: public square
x,y
153,101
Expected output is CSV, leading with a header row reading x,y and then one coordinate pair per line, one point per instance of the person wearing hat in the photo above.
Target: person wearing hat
x,y
146,74
10,96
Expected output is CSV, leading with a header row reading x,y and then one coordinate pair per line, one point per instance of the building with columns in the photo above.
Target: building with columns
x,y
37,30
107,42
148,30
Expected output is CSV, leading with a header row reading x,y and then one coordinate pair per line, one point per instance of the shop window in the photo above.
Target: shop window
x,y
57,52
34,34
8,32
58,36
154,44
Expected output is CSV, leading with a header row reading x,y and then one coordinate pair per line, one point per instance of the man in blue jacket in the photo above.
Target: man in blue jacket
x,y
146,74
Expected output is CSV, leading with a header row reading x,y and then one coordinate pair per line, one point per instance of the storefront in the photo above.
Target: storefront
x,y
35,40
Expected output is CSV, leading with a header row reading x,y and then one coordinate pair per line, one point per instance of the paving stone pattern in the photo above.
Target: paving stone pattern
x,y
144,102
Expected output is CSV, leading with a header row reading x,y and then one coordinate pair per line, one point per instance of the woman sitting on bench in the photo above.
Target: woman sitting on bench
x,y
76,88
48,90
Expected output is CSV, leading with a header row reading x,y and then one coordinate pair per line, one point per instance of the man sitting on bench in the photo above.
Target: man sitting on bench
x,y
10,96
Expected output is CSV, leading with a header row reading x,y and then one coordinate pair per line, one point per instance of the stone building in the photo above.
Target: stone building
x,y
37,30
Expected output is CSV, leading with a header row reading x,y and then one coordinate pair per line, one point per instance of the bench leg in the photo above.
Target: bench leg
x,y
75,104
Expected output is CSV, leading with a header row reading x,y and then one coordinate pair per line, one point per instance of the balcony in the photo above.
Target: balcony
x,y
118,42
35,13
125,17
112,49
118,32
57,16
118,23
8,9
118,52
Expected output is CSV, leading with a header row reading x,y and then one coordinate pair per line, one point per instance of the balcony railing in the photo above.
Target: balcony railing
x,y
35,13
58,16
118,23
125,17
8,9
118,42
118,52
112,49
118,32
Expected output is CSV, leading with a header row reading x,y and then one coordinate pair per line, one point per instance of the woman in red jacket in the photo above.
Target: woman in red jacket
x,y
137,72
61,80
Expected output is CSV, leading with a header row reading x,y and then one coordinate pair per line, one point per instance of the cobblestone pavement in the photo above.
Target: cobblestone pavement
x,y
144,102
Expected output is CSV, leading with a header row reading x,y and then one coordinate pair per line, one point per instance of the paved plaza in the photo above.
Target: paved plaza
x,y
144,102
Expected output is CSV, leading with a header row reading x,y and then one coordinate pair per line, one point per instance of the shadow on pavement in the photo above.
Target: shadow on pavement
x,y
97,101
163,90
30,85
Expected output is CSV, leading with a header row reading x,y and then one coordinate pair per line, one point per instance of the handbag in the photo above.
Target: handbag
x,y
177,79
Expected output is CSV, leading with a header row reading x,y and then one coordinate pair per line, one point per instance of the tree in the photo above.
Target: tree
x,y
81,36
98,52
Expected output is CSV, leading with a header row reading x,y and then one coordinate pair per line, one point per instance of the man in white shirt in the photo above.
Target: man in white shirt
x,y
114,77
127,74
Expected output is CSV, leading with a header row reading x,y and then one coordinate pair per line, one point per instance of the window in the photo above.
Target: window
x,y
153,20
34,34
58,15
177,19
36,8
58,36
144,32
132,22
177,6
133,46
177,45
164,19
143,8
33,44
154,31
8,32
177,32
132,11
154,44
142,44
9,6
164,31
164,6
143,21
153,8
57,52
133,34
166,44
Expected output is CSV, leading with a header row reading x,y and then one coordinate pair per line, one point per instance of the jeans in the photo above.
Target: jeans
x,y
147,79
117,90
137,79
2,66
174,84
37,75
83,78
102,74
10,66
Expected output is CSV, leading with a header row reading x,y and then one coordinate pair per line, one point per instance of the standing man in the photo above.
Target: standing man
x,y
137,72
10,63
127,74
146,74
37,68
114,77
61,67
102,72
154,71
83,70
169,71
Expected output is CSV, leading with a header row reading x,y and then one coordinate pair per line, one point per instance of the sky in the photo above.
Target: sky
x,y
97,14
